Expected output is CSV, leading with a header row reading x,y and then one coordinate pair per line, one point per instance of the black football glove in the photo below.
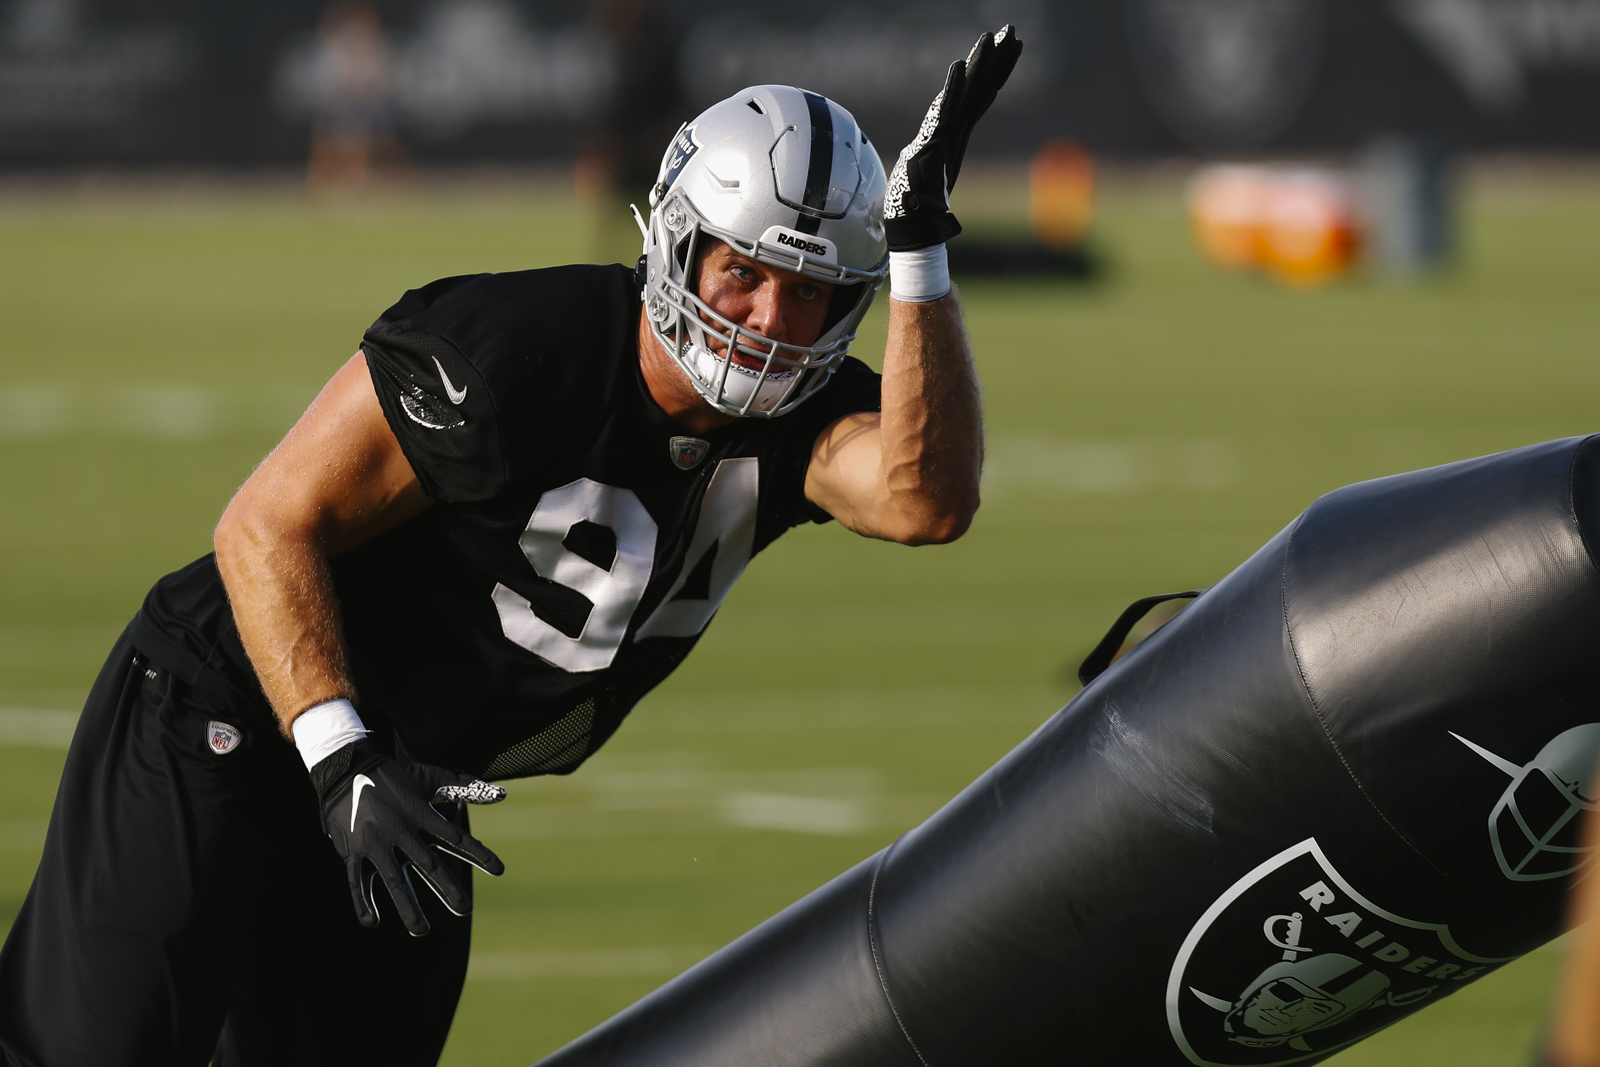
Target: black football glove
x,y
379,814
916,212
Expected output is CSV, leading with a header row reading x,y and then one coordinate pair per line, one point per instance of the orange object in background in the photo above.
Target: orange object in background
x,y
1299,226
1060,194
1228,210
1311,235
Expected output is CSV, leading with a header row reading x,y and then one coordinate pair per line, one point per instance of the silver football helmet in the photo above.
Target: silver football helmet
x,y
787,178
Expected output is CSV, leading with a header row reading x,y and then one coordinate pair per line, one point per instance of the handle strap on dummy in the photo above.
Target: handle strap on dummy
x,y
1097,661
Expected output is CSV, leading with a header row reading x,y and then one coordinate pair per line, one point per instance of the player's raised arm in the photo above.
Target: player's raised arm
x,y
910,474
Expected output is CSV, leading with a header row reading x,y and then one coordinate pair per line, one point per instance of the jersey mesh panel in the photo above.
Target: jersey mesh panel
x,y
558,747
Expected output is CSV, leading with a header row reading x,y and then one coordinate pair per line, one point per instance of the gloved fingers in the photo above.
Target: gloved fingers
x,y
454,841
444,877
443,786
992,60
969,107
949,99
469,790
978,58
398,882
420,927
987,68
361,891
985,81
1008,46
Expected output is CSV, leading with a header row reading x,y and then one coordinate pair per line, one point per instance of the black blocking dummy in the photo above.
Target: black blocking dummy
x,y
1343,784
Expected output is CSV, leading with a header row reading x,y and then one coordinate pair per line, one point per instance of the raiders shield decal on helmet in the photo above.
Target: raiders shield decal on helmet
x,y
1291,962
687,452
222,737
684,146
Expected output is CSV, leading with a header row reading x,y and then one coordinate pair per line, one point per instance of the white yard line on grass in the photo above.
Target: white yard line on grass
x,y
37,728
168,411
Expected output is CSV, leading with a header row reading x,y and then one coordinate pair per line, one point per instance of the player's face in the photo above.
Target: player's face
x,y
773,303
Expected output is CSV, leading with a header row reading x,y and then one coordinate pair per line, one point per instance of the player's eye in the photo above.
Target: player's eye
x,y
807,292
743,273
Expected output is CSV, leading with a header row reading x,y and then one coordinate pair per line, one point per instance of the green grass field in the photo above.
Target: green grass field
x,y
1146,433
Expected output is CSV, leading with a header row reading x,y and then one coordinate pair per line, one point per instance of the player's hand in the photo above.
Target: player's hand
x,y
379,813
916,212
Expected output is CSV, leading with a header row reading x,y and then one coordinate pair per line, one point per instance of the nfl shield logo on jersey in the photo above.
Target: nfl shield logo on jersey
x,y
222,737
687,452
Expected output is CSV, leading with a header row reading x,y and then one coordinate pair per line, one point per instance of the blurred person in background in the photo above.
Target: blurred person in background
x,y
353,118
505,520
617,161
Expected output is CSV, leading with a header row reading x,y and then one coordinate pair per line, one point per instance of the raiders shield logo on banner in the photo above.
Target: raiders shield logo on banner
x,y
687,452
1226,73
222,737
1292,962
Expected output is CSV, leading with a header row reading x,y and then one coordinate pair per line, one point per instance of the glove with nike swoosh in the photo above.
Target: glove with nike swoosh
x,y
379,814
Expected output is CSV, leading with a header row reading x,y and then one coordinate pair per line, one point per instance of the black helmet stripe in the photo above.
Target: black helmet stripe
x,y
819,169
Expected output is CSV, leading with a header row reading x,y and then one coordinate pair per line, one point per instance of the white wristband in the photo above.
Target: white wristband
x,y
920,276
323,729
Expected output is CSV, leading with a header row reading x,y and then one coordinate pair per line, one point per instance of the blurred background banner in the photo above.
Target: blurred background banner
x,y
186,82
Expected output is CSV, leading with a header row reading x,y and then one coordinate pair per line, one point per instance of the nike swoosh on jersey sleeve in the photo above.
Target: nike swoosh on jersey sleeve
x,y
456,395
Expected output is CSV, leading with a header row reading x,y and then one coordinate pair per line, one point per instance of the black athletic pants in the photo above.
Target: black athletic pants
x,y
189,909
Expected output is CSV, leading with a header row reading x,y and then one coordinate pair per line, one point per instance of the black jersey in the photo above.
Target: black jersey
x,y
582,540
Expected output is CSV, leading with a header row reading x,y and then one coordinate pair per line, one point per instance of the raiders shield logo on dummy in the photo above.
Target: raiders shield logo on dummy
x,y
1292,961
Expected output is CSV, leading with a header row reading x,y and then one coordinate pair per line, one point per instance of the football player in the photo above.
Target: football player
x,y
509,516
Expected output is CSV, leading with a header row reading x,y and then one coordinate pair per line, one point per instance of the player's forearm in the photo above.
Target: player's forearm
x,y
283,600
932,423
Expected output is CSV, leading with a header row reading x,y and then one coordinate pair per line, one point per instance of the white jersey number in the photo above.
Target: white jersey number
x,y
614,592
726,526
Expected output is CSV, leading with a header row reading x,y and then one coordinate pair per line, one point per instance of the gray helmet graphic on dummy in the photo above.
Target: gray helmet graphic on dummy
x,y
785,177
1534,825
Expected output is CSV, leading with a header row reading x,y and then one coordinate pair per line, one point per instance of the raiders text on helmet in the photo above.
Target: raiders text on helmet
x,y
787,178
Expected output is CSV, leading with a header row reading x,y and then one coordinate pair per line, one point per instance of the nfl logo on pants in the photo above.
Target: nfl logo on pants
x,y
222,737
